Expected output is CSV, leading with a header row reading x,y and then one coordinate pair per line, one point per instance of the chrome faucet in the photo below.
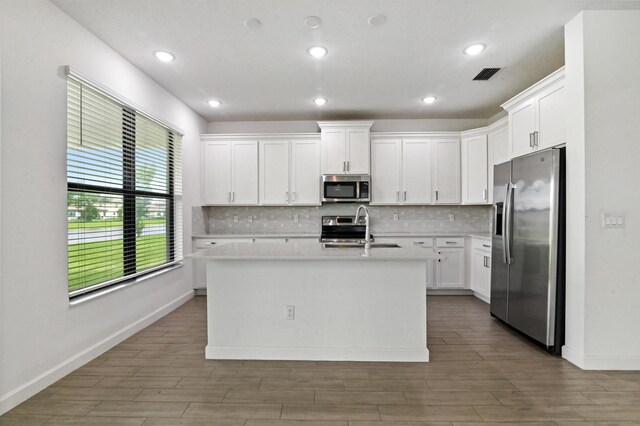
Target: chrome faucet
x,y
367,237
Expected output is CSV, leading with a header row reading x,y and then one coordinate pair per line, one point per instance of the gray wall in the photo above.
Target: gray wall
x,y
280,220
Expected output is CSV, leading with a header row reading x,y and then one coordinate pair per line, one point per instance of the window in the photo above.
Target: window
x,y
124,207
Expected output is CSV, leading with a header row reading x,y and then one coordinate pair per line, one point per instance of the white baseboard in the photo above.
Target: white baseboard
x,y
482,297
49,377
318,354
573,357
590,362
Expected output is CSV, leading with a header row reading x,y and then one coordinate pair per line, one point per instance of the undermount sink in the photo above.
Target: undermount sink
x,y
360,245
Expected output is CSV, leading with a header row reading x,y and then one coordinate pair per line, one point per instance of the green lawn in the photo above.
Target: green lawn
x,y
105,259
108,223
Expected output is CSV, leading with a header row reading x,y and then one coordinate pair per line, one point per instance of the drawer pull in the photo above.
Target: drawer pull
x,y
486,245
450,242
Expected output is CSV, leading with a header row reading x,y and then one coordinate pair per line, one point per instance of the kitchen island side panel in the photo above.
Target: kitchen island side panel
x,y
372,310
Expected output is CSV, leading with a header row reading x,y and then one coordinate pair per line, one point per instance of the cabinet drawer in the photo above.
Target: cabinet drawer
x,y
481,244
203,243
423,242
450,242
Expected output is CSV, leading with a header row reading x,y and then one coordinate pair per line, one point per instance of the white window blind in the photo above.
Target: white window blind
x,y
124,199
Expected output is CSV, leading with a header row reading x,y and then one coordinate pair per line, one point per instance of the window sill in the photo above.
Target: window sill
x,y
111,289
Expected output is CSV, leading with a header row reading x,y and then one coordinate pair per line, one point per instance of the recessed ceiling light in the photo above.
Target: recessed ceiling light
x,y
253,23
317,51
312,21
474,49
164,56
319,101
429,99
377,20
214,103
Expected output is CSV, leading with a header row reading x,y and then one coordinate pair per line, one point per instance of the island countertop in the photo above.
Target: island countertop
x,y
311,250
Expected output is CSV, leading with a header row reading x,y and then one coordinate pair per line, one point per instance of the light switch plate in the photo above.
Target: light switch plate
x,y
613,220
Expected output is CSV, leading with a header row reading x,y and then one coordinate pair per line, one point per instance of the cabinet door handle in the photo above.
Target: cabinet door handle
x,y
233,196
344,166
531,140
405,196
486,245
418,243
397,195
436,195
536,138
286,196
348,165
229,197
484,195
450,242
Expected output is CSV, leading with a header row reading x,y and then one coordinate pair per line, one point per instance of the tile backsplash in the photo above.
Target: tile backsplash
x,y
300,220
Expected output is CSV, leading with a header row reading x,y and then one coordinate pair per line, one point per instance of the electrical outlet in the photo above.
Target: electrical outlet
x,y
396,216
250,218
452,217
236,219
296,218
290,312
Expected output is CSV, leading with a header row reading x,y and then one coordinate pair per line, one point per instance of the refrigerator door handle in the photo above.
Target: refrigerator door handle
x,y
504,223
509,221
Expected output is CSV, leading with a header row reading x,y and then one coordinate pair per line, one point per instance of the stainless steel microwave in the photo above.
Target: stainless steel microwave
x,y
345,188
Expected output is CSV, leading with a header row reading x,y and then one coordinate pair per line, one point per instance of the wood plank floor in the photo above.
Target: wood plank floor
x,y
480,373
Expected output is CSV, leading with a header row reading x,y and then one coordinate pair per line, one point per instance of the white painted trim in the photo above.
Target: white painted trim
x,y
315,354
573,357
257,136
27,390
588,362
481,297
552,78
330,124
418,135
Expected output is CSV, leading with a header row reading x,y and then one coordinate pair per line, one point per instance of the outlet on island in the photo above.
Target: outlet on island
x,y
290,312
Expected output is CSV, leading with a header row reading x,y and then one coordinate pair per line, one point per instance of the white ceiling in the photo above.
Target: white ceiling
x,y
370,72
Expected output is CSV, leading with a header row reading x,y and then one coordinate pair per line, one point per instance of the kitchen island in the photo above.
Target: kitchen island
x,y
304,301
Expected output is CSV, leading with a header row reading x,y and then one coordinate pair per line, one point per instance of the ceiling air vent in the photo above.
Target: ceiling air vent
x,y
486,73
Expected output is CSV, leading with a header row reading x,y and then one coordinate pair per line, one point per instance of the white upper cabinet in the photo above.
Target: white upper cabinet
x,y
345,147
475,170
386,169
274,172
216,185
404,170
446,171
290,172
305,172
416,171
537,116
498,139
230,172
244,176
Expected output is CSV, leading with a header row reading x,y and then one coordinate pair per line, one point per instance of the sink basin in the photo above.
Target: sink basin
x,y
360,245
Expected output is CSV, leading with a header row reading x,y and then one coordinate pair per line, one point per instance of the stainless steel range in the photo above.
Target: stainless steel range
x,y
343,229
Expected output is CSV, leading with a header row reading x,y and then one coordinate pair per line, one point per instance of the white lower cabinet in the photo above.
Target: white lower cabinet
x,y
425,243
481,268
450,271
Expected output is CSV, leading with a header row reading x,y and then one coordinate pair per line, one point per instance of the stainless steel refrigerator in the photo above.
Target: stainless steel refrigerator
x,y
527,271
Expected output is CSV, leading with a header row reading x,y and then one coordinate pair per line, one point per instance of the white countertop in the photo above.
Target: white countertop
x,y
308,250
